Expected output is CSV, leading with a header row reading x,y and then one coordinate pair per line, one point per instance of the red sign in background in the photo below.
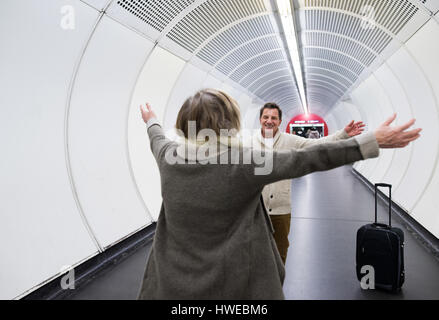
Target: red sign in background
x,y
309,120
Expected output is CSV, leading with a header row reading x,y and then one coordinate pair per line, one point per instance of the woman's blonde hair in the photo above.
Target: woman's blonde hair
x,y
210,109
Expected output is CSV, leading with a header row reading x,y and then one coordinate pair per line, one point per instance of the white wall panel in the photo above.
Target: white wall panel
x,y
190,80
353,111
231,91
378,104
359,116
211,82
251,118
424,155
356,115
401,105
235,94
363,97
256,118
98,132
245,102
336,123
343,115
386,110
338,115
41,229
331,122
426,53
371,99
154,85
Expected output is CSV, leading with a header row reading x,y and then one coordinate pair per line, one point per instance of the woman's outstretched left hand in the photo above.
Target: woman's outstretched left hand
x,y
147,113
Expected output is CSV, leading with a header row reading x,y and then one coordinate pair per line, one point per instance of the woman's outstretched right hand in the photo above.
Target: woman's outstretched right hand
x,y
396,137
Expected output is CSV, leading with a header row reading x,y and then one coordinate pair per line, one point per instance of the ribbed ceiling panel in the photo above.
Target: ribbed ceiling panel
x,y
254,63
257,73
238,38
156,13
326,40
280,93
341,38
323,95
393,15
210,17
240,33
340,69
336,86
327,83
346,25
331,74
246,52
258,83
337,57
268,86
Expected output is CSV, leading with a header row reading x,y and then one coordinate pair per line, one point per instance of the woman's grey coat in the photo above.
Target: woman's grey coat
x,y
214,239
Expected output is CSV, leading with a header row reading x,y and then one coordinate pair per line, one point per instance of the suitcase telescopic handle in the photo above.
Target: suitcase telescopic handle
x,y
390,201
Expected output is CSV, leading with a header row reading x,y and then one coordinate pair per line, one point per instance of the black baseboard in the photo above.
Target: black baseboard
x,y
91,268
425,237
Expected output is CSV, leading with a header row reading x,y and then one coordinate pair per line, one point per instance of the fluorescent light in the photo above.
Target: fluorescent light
x,y
286,15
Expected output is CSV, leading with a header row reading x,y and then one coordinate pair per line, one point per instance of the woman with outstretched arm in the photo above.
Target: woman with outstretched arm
x,y
214,238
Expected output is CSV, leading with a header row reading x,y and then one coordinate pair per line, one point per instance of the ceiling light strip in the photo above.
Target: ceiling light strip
x,y
286,15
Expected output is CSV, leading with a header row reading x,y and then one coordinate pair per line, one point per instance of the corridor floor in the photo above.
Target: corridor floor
x,y
327,210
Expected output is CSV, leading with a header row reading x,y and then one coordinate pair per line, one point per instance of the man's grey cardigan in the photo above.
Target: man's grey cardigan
x,y
214,239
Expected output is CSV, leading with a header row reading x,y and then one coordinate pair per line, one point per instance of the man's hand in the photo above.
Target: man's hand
x,y
147,113
396,137
354,128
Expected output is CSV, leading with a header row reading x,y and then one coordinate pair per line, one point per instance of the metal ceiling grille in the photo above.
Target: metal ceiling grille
x,y
210,17
237,37
246,52
156,13
331,74
254,63
340,69
276,74
281,92
340,39
261,71
337,57
391,14
346,25
327,40
333,85
234,37
262,91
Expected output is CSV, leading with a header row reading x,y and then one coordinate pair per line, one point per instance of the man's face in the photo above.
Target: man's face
x,y
270,121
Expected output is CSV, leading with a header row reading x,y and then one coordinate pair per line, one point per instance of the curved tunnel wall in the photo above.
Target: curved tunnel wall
x,y
77,175
406,83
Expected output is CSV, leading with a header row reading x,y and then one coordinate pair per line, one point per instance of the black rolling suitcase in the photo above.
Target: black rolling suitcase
x,y
380,249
